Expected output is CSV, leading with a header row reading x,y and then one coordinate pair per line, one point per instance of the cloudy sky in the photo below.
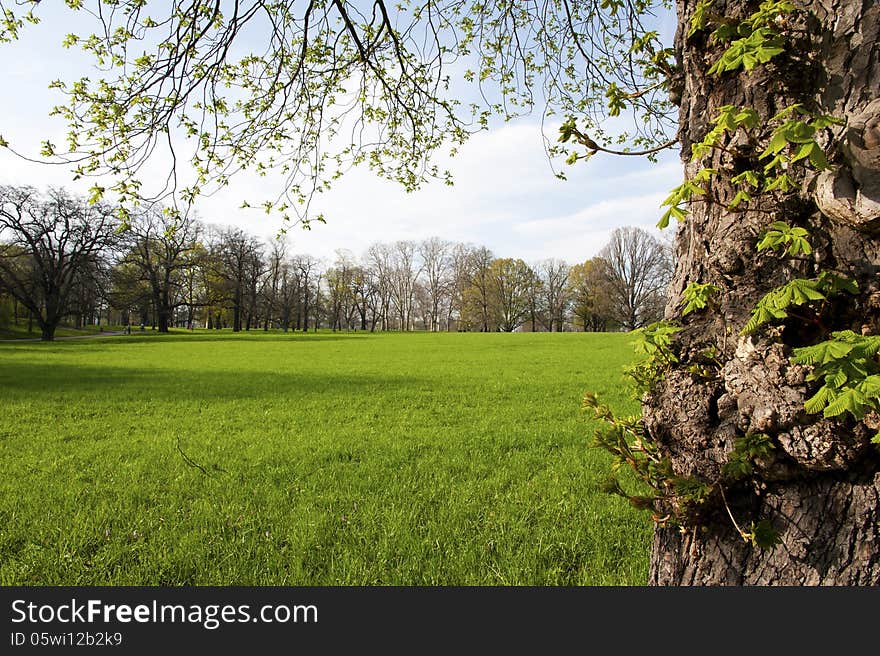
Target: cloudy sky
x,y
505,194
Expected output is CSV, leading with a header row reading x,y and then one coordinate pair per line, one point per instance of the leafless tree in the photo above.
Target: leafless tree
x,y
637,272
553,274
239,264
269,288
48,244
162,246
405,271
309,284
379,261
436,263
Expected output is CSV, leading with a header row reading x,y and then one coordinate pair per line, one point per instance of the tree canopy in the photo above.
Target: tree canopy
x,y
306,89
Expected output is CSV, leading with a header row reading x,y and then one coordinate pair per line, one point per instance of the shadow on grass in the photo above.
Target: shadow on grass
x,y
181,337
238,337
41,381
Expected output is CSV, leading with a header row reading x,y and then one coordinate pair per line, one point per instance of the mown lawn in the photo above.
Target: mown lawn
x,y
349,459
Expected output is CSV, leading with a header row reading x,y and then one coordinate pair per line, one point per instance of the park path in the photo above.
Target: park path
x,y
58,339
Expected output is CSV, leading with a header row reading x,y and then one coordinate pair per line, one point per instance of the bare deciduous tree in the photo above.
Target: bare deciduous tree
x,y
553,274
162,246
47,244
436,265
637,271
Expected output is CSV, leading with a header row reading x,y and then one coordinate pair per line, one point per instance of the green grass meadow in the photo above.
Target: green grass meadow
x,y
329,459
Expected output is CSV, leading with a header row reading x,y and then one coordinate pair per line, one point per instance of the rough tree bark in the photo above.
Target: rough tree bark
x,y
822,491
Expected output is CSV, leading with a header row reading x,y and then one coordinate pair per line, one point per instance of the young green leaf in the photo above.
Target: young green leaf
x,y
697,296
763,535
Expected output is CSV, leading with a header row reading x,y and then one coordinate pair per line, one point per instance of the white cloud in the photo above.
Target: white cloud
x,y
579,236
604,214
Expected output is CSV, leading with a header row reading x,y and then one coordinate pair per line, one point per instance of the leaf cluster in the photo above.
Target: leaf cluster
x,y
682,195
759,47
781,236
626,439
707,364
729,119
672,499
652,343
848,367
746,450
763,535
777,303
798,135
697,296
792,140
755,40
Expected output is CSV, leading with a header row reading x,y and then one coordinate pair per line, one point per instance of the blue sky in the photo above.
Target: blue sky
x,y
505,195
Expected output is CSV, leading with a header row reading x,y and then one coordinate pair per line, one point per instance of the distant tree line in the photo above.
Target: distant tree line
x,y
63,259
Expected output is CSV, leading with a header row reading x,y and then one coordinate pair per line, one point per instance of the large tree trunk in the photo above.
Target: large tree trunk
x,y
236,311
52,318
822,492
305,311
163,306
47,331
163,314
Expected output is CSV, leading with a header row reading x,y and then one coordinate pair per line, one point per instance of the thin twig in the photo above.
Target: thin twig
x,y
742,534
190,461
